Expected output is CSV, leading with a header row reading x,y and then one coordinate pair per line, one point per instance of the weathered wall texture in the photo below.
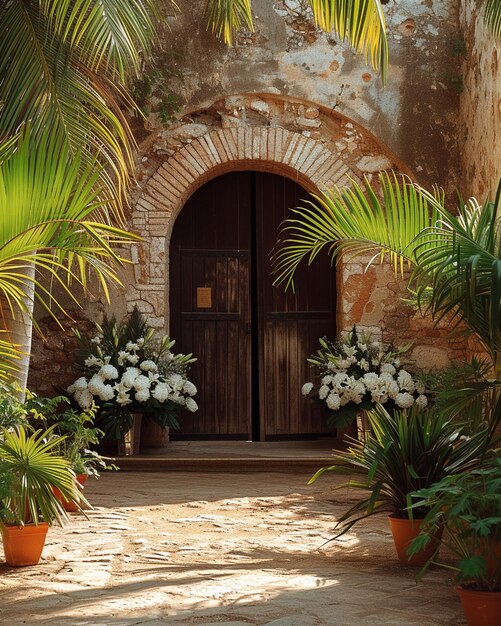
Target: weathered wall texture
x,y
292,100
415,114
480,112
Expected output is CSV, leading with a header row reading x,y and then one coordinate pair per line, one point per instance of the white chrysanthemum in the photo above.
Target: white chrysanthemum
x,y
108,372
340,379
133,359
140,342
405,381
143,395
387,368
306,388
131,346
129,376
344,364
404,400
92,361
393,390
96,340
149,366
176,381
123,398
331,366
371,380
379,396
422,401
84,398
95,384
106,393
141,383
161,392
323,392
191,405
152,376
175,397
80,384
326,380
333,401
189,388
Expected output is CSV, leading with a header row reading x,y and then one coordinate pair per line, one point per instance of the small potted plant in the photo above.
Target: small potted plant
x,y
355,372
29,472
404,452
468,506
128,372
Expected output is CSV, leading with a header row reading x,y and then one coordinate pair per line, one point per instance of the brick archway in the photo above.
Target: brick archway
x,y
276,150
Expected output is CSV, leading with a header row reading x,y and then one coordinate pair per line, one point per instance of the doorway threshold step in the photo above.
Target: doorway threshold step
x,y
151,463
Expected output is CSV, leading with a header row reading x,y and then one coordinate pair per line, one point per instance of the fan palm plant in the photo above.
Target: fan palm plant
x,y
455,257
64,66
48,228
360,22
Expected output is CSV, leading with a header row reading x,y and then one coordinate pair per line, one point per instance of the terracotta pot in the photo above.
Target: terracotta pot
x,y
481,608
70,505
404,531
23,545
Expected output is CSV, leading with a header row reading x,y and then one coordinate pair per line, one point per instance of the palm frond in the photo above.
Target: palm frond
x,y
357,221
226,17
61,68
492,14
361,23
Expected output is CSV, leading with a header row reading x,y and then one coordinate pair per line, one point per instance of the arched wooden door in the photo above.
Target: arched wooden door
x,y
251,339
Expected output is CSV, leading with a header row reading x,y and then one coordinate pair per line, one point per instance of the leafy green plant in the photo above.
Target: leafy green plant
x,y
128,369
406,451
455,256
12,410
468,505
29,472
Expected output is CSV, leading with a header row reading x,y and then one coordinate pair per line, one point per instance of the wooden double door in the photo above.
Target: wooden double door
x,y
251,339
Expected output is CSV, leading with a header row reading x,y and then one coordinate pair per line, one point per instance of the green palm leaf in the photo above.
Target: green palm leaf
x,y
227,17
361,23
62,67
29,470
492,12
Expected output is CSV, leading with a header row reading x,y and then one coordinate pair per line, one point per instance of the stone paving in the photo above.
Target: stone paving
x,y
209,549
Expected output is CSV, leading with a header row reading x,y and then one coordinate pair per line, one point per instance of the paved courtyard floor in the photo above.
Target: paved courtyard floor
x,y
211,549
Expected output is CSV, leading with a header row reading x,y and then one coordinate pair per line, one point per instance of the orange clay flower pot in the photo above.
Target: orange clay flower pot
x,y
481,608
404,531
23,545
70,505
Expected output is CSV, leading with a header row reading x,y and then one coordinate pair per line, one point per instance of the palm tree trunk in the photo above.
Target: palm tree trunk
x,y
18,325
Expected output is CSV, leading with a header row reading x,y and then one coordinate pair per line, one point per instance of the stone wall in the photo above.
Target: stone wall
x,y
292,100
480,112
415,114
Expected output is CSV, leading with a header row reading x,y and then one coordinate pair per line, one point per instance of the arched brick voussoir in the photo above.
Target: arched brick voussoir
x,y
277,150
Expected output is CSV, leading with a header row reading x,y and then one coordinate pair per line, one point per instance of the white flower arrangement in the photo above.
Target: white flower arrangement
x,y
126,375
354,373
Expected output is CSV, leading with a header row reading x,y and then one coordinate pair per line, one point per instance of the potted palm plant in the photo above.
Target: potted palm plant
x,y
468,505
29,472
404,452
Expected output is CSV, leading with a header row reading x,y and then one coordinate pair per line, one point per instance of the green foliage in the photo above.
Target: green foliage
x,y
29,470
64,67
468,504
406,451
492,13
12,410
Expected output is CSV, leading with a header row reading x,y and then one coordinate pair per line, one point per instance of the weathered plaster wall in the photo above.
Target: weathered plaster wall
x,y
415,114
290,80
480,111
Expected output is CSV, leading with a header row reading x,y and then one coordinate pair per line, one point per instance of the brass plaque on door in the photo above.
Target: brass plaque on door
x,y
204,298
